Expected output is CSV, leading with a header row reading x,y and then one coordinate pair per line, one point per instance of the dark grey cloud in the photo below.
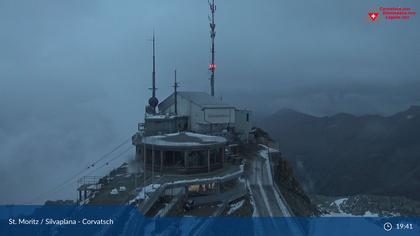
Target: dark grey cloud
x,y
74,75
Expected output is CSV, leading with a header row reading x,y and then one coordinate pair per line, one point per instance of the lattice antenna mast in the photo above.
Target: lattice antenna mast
x,y
176,85
153,101
154,68
212,66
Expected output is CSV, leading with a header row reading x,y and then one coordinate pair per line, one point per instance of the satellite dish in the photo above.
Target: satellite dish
x,y
153,102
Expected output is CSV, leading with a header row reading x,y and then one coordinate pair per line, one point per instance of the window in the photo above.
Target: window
x,y
247,117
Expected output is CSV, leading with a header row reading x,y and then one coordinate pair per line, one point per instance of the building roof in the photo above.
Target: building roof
x,y
162,117
183,140
202,99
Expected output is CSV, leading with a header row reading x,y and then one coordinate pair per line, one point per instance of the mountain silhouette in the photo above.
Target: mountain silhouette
x,y
345,154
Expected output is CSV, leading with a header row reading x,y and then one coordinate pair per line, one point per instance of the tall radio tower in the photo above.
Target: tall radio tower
x,y
212,66
153,101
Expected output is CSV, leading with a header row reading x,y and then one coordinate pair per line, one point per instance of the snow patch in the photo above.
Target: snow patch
x,y
122,189
148,189
114,191
252,201
234,207
241,167
338,203
203,139
343,214
370,214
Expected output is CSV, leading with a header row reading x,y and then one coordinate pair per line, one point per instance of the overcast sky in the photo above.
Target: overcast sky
x,y
74,75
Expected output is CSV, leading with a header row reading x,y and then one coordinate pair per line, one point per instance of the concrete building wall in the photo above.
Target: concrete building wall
x,y
219,115
243,123
155,126
183,106
196,114
201,118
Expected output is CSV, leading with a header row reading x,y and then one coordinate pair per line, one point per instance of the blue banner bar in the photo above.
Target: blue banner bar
x,y
127,220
